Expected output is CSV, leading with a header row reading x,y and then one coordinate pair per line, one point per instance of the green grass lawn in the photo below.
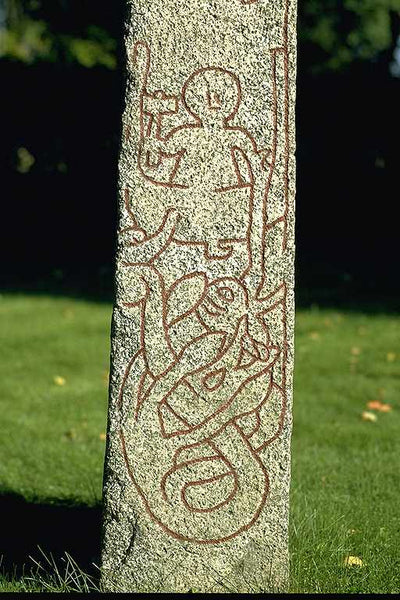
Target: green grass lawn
x,y
345,488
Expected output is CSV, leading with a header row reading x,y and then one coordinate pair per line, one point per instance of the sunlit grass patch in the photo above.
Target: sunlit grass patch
x,y
346,467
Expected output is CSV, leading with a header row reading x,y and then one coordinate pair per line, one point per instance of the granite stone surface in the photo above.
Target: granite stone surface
x,y
197,473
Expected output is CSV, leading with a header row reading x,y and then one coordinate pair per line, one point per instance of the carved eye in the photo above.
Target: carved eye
x,y
226,293
214,380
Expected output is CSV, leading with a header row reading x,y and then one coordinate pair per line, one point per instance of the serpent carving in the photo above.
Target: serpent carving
x,y
192,396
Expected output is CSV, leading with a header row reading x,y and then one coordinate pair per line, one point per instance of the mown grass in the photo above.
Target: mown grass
x,y
346,470
54,360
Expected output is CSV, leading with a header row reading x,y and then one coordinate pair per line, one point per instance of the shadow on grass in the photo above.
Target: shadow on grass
x,y
55,528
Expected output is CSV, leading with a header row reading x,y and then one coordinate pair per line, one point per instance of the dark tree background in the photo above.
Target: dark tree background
x,y
62,74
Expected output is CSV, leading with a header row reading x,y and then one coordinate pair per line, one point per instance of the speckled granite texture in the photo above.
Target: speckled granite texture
x,y
197,474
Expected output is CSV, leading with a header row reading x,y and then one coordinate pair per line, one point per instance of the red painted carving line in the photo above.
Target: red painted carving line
x,y
213,375
281,423
191,388
153,236
231,471
199,301
272,294
208,440
140,394
267,226
198,123
181,419
164,298
223,407
130,212
214,305
192,446
256,426
142,95
164,313
283,302
286,119
184,421
225,245
210,480
195,461
215,433
186,538
254,410
211,313
272,168
176,535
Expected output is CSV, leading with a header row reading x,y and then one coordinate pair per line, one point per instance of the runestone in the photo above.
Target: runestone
x,y
197,471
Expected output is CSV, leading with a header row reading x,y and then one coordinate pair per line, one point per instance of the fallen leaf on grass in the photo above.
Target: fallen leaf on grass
x,y
355,351
58,380
314,335
103,437
353,561
369,416
379,406
374,405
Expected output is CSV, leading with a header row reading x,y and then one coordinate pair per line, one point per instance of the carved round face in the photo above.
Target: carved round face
x,y
225,302
212,94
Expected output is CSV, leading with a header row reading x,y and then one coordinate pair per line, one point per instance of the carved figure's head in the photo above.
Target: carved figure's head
x,y
212,94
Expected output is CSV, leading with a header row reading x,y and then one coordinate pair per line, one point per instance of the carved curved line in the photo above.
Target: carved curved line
x,y
220,70
212,375
151,237
226,242
177,467
181,419
256,426
204,482
140,395
177,535
225,406
281,422
195,306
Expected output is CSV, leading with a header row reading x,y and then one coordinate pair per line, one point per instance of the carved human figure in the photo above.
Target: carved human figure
x,y
212,165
